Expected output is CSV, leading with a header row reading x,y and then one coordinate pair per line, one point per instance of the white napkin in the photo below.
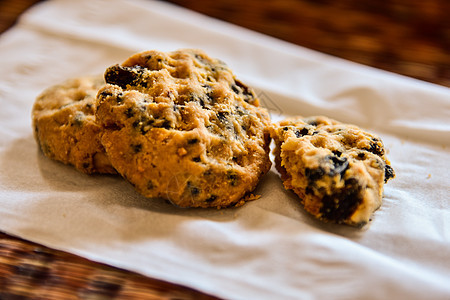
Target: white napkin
x,y
269,248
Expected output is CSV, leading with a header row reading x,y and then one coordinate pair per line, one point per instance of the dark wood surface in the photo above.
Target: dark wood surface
x,y
408,37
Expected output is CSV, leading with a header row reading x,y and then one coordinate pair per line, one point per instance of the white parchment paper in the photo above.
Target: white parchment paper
x,y
269,248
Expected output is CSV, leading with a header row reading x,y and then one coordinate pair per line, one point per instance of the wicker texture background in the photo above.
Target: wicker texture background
x,y
408,37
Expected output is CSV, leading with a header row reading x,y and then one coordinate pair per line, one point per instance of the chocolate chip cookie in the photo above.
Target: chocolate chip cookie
x,y
337,170
65,127
180,126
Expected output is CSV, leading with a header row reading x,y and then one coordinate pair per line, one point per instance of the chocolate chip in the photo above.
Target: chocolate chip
x,y
245,91
210,97
150,185
193,141
202,103
309,191
341,204
233,178
211,198
301,132
337,153
197,159
143,124
129,113
340,165
376,147
105,94
166,124
136,148
123,76
222,116
388,173
314,174
193,189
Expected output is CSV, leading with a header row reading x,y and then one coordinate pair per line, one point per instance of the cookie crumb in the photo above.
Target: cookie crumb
x,y
181,152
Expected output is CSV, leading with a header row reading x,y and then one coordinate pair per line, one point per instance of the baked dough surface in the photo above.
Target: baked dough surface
x,y
338,170
65,127
180,126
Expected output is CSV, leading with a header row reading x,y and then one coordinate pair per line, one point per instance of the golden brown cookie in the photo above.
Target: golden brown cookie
x,y
65,128
180,126
337,170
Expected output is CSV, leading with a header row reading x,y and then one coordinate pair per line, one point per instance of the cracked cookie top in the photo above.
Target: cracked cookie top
x,y
180,126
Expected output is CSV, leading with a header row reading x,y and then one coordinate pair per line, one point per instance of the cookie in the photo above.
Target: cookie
x,y
65,128
337,170
180,126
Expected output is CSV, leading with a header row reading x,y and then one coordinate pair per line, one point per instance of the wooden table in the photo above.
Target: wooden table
x,y
408,37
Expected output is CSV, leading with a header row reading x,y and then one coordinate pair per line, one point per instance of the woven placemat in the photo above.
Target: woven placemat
x,y
32,271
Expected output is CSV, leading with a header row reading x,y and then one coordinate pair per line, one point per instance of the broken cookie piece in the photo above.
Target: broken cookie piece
x,y
337,170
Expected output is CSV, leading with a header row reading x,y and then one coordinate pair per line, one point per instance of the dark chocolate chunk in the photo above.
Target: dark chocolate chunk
x,y
150,185
388,173
129,112
314,174
376,147
233,178
340,165
222,116
337,153
247,93
166,124
192,189
211,198
313,123
105,94
123,76
136,148
342,204
301,132
193,141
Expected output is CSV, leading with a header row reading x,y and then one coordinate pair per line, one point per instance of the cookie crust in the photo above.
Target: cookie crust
x,y
180,126
338,170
